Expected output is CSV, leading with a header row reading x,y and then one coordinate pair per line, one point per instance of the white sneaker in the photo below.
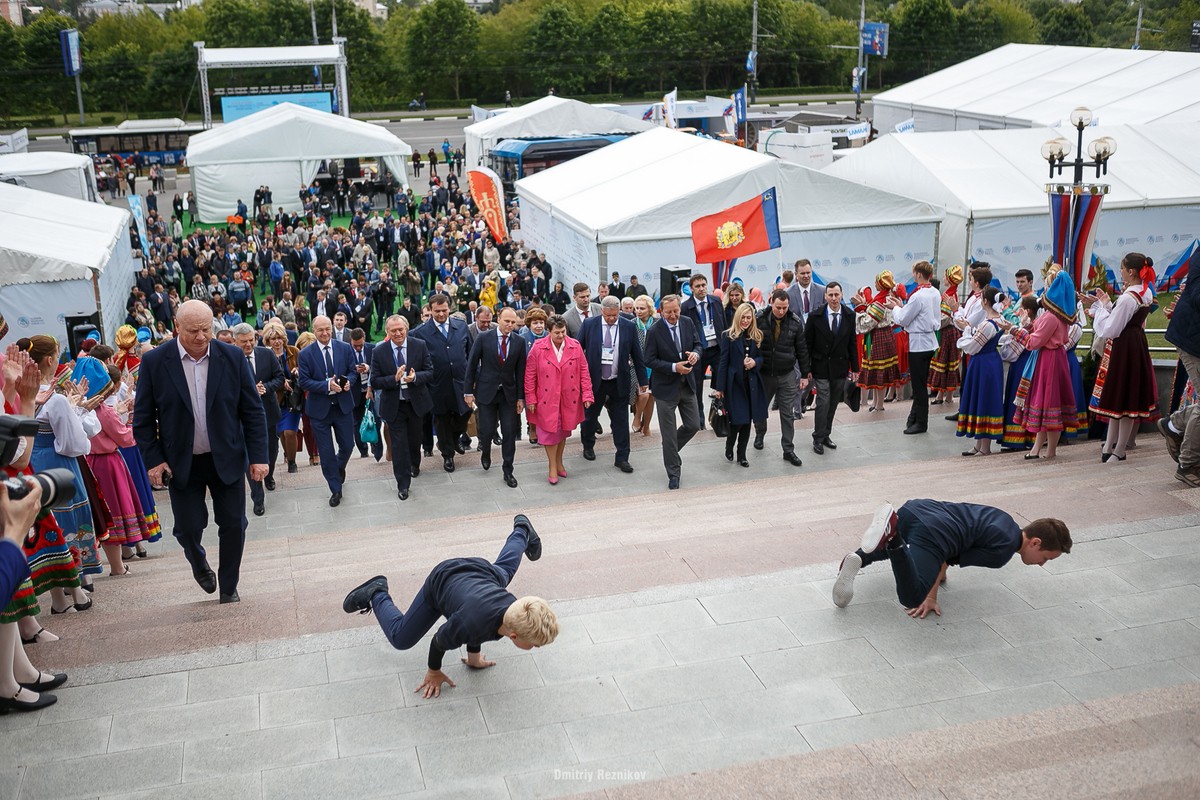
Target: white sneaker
x,y
881,530
843,587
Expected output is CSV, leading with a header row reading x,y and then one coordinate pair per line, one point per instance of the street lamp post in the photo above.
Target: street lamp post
x,y
1075,207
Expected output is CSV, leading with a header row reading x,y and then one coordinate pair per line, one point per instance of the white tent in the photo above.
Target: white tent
x,y
68,174
1031,85
629,208
546,118
992,185
57,256
280,147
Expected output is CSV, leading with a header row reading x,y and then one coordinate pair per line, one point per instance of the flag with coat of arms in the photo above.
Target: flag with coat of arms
x,y
745,229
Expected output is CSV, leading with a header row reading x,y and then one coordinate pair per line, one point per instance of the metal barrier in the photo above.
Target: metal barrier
x,y
1163,350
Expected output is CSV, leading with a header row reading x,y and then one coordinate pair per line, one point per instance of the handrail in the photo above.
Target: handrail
x,y
1088,333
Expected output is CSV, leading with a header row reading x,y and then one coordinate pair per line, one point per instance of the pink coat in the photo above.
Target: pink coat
x,y
559,389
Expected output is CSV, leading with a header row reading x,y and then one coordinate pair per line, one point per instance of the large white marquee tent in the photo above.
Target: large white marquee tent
x,y
66,174
992,183
281,147
61,257
629,207
1031,85
545,118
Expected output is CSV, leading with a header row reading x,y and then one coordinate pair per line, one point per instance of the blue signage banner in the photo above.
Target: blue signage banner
x,y
875,39
243,105
72,60
739,105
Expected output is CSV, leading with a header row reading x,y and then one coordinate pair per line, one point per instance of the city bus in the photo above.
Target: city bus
x,y
160,141
513,159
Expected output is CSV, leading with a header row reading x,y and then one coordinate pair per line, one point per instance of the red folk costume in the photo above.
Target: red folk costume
x,y
944,375
877,346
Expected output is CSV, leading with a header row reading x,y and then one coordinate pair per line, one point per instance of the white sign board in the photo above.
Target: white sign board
x,y
14,142
907,126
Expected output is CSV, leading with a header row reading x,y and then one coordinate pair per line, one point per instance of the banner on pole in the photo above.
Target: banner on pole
x,y
488,193
742,230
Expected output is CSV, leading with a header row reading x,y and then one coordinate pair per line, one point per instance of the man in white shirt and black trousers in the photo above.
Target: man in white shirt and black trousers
x,y
920,317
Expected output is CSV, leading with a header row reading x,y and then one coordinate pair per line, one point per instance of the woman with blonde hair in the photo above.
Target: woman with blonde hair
x,y
643,403
739,380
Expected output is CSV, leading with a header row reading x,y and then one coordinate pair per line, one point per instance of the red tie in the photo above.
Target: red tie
x,y
585,314
503,348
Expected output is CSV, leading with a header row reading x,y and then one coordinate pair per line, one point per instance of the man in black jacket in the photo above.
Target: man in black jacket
x,y
834,354
1182,429
784,347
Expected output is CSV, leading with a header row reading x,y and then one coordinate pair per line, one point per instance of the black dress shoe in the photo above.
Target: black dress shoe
x,y
414,471
359,598
335,499
818,448
829,443
205,577
914,428
729,454
533,542
402,494
428,453
952,417
448,463
758,442
510,481
44,686
259,510
600,430
458,448
362,453
485,461
673,483
496,440
742,462
793,459
624,466
11,704
232,597
269,483
292,468
589,454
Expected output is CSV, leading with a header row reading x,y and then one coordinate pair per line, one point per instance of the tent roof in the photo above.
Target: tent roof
x,y
216,57
41,163
288,132
1040,84
47,237
1001,173
655,184
554,116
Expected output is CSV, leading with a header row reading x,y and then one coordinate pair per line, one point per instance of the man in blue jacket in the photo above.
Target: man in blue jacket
x,y
1182,430
472,595
325,368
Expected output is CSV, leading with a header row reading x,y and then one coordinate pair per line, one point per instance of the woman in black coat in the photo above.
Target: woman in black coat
x,y
739,380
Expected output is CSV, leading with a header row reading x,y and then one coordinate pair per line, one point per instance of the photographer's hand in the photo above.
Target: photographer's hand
x,y
19,515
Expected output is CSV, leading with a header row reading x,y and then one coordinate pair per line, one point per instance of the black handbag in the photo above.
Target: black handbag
x,y
718,420
853,396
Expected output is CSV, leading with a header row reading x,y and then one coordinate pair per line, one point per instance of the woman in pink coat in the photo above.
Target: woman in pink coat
x,y
557,390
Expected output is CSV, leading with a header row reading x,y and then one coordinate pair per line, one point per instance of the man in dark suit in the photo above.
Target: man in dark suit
x,y
495,388
268,379
610,345
401,370
834,353
615,287
198,421
672,353
359,387
341,327
708,315
160,306
449,345
325,377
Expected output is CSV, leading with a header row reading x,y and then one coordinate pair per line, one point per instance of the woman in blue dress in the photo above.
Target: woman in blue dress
x,y
981,410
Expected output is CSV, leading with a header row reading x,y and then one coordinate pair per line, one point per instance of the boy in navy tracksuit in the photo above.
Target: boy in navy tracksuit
x,y
472,595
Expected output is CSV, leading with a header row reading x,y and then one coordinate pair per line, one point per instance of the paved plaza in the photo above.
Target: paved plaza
x,y
700,654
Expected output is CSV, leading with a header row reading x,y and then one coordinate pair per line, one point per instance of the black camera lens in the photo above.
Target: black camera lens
x,y
57,484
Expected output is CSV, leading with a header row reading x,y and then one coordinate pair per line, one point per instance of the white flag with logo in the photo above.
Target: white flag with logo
x,y
669,101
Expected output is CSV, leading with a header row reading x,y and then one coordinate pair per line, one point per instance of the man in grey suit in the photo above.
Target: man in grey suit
x,y
583,309
482,323
672,351
804,296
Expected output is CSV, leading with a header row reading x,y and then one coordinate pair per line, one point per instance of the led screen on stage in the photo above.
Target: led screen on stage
x,y
242,105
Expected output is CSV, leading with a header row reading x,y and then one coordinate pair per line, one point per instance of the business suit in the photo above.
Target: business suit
x,y
613,393
165,430
833,355
359,383
816,298
269,373
331,415
450,413
574,318
710,347
673,391
497,386
403,415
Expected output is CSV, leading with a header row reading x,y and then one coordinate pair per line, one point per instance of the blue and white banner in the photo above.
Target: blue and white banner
x,y
860,131
739,105
751,60
139,219
875,39
907,126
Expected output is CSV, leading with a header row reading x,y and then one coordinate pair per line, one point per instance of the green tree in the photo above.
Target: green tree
x,y
608,35
923,37
714,25
116,78
47,88
12,63
554,49
442,45
1177,26
1066,24
144,32
987,24
663,42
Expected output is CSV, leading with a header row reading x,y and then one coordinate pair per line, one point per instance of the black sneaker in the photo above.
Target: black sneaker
x,y
360,596
533,542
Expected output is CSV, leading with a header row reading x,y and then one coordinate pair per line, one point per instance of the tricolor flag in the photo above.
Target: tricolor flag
x,y
743,230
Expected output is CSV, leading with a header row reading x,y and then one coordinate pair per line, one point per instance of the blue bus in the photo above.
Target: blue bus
x,y
514,159
160,141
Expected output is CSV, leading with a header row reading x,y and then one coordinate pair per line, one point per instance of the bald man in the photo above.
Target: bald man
x,y
199,423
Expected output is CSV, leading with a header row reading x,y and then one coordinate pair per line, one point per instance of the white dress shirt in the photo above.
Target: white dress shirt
x,y
920,317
